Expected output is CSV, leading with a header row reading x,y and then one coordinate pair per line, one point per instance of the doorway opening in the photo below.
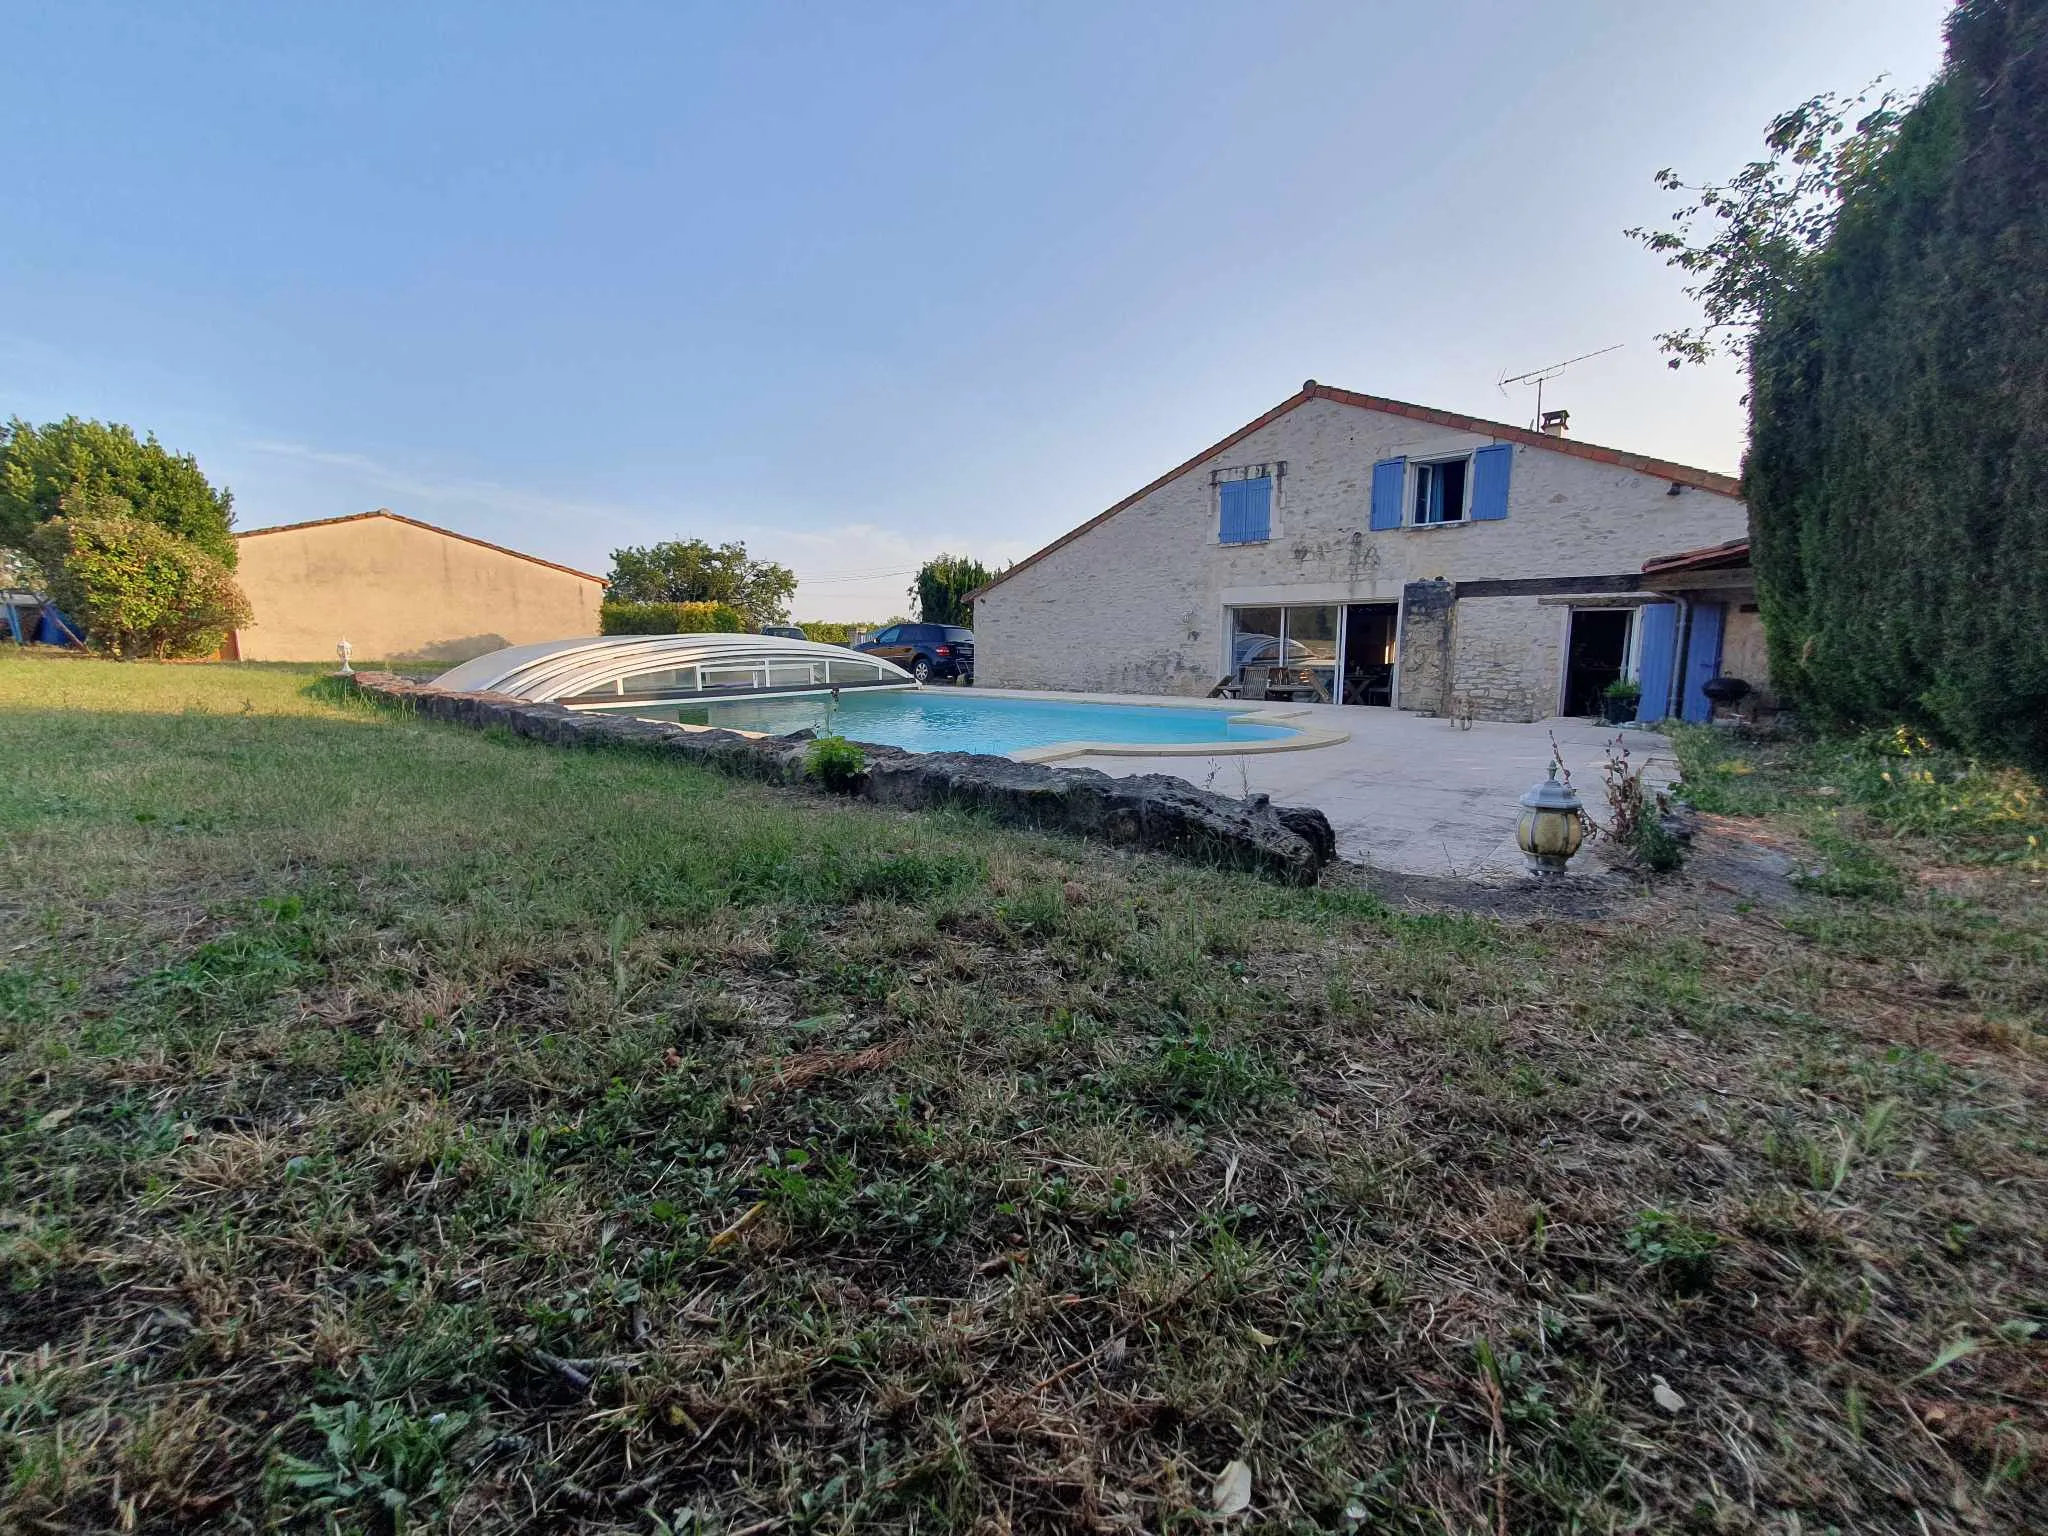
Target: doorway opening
x,y
1370,635
1596,655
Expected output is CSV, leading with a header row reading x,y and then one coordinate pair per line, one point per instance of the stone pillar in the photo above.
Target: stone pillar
x,y
1426,646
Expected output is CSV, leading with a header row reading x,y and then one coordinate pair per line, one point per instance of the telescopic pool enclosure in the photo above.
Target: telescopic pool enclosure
x,y
628,672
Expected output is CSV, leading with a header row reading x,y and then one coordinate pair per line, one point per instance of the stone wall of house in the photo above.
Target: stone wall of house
x,y
1508,657
1743,653
1425,646
1137,604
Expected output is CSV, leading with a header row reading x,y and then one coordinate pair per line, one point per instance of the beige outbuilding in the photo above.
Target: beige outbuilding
x,y
400,591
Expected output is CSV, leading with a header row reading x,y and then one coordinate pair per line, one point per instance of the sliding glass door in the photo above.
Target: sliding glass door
x,y
1286,652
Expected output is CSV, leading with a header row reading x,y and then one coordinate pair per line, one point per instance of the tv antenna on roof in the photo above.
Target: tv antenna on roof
x,y
1540,376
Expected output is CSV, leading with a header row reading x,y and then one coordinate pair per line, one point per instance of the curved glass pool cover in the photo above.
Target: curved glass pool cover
x,y
633,671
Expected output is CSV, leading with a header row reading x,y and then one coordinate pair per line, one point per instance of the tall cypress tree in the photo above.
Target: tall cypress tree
x,y
1898,468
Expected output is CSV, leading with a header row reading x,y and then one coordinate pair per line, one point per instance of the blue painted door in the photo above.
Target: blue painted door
x,y
1658,656
1702,660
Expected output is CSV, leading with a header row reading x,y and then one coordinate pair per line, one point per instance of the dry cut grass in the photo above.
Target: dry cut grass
x,y
404,1128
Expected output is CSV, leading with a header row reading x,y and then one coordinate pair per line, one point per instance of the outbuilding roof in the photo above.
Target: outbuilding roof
x,y
1732,555
1662,469
449,533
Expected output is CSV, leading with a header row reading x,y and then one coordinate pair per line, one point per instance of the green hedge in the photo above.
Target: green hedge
x,y
834,634
670,619
1898,469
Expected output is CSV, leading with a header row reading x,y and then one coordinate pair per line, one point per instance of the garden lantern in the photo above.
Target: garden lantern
x,y
1551,828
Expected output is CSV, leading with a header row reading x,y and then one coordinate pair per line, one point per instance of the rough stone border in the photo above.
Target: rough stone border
x,y
1156,811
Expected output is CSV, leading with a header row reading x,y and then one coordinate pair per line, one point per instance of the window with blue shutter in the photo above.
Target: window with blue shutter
x,y
1389,477
1246,515
1490,470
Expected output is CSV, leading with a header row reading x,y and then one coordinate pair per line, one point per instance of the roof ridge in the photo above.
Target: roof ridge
x,y
400,517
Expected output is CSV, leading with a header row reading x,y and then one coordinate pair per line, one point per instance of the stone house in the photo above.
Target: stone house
x,y
400,591
1350,549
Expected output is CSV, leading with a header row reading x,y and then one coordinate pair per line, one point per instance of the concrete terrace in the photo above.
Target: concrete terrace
x,y
1405,792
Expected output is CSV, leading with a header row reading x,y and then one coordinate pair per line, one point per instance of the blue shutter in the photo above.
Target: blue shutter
x,y
1231,498
1702,660
1245,511
1658,655
1389,479
1490,470
1258,509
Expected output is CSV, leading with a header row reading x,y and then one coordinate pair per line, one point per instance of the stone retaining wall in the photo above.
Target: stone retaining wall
x,y
1156,811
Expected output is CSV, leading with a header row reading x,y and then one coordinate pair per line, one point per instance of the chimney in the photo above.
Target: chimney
x,y
1555,423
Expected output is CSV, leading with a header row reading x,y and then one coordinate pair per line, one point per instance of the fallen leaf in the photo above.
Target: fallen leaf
x,y
732,1233
1667,1399
55,1118
1232,1494
1263,1340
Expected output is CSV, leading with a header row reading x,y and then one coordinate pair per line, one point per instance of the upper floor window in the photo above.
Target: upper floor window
x,y
1433,492
1440,491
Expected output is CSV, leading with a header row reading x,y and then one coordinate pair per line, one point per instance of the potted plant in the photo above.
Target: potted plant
x,y
1619,699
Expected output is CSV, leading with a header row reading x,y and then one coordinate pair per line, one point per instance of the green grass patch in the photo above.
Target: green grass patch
x,y
400,1123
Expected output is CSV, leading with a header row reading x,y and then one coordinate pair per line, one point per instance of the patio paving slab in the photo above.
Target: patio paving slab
x,y
1413,794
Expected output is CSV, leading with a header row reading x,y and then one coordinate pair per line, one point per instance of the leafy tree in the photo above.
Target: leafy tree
x,y
139,589
1748,242
692,571
40,467
942,587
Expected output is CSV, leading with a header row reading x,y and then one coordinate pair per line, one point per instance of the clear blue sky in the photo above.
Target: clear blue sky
x,y
854,283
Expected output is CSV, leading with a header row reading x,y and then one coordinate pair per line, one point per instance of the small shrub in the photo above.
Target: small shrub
x,y
1635,817
139,589
836,763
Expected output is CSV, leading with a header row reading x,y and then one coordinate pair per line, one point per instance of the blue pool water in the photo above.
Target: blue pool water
x,y
960,720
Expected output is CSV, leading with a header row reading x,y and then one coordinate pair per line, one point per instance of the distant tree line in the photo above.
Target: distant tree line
x,y
688,586
1886,274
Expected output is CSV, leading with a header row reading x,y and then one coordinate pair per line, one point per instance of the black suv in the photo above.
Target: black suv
x,y
926,651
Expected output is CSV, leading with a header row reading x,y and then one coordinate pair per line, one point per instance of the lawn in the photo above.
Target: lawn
x,y
409,1128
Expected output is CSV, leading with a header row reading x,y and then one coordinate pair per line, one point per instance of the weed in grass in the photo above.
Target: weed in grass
x,y
1852,869
378,1463
1189,1074
1683,1256
836,763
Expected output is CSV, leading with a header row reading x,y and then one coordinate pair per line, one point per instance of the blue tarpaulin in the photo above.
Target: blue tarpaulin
x,y
52,628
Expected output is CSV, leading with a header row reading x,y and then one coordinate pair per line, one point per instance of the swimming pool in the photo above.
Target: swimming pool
x,y
964,720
